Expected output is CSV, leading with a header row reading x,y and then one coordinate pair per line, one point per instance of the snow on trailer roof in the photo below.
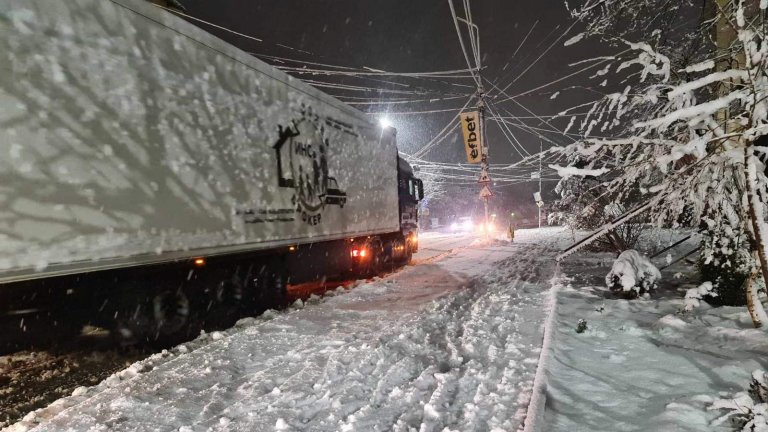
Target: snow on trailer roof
x,y
158,15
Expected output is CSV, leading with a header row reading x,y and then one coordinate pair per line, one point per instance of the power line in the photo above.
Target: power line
x,y
408,101
428,146
437,74
461,41
540,56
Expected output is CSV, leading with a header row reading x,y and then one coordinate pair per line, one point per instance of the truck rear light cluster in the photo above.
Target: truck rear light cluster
x,y
359,253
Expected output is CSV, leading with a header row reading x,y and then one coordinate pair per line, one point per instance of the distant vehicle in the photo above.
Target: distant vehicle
x,y
463,224
466,224
486,228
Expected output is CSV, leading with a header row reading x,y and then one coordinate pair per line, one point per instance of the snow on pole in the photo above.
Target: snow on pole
x,y
679,242
681,258
604,230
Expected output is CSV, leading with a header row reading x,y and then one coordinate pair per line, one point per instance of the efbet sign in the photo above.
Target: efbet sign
x,y
473,139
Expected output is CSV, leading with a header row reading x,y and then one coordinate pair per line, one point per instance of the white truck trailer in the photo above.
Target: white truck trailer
x,y
153,175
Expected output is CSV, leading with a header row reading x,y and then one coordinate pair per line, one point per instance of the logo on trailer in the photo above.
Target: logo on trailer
x,y
302,150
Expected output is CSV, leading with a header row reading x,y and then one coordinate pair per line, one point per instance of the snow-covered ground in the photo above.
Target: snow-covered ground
x,y
642,365
450,343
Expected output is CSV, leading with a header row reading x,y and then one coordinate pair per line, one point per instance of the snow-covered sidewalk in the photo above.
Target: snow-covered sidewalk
x,y
448,344
641,365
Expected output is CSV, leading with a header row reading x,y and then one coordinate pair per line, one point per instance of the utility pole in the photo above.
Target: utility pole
x,y
485,177
541,148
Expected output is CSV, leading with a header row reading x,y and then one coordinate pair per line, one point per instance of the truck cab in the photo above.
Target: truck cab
x,y
410,191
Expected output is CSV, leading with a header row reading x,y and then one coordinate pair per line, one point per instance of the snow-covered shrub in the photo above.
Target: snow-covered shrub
x,y
632,274
581,326
725,261
758,388
747,411
743,412
694,296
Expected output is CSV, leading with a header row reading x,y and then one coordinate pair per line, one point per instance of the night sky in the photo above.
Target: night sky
x,y
419,36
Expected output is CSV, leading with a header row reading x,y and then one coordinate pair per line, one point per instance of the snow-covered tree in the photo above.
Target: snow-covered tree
x,y
689,124
583,204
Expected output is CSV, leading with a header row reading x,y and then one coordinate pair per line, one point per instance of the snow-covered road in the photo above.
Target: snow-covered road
x,y
450,342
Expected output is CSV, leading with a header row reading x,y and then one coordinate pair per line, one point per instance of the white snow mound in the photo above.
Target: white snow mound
x,y
632,273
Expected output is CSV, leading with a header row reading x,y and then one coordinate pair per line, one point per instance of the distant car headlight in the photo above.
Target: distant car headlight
x,y
467,225
486,227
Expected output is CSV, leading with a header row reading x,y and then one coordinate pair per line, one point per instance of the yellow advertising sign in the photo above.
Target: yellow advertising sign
x,y
473,141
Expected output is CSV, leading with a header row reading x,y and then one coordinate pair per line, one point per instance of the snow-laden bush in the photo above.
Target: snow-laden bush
x,y
694,296
747,411
632,274
725,260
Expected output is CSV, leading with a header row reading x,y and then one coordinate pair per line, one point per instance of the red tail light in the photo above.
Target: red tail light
x,y
358,253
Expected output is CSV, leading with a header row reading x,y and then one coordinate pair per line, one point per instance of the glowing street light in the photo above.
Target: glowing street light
x,y
385,122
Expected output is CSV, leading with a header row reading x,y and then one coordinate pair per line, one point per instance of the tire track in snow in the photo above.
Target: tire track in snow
x,y
465,366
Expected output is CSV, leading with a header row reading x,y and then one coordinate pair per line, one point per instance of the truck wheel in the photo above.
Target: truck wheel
x,y
376,264
271,283
147,317
229,300
170,310
133,321
408,253
229,292
405,254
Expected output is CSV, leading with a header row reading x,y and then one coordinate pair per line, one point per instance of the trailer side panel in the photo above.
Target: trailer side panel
x,y
129,136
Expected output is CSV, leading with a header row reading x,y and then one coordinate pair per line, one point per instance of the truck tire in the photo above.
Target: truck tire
x,y
407,253
229,299
133,321
271,284
376,263
159,319
230,292
408,256
170,312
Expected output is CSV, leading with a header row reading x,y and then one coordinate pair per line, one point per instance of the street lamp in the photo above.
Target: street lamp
x,y
385,123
